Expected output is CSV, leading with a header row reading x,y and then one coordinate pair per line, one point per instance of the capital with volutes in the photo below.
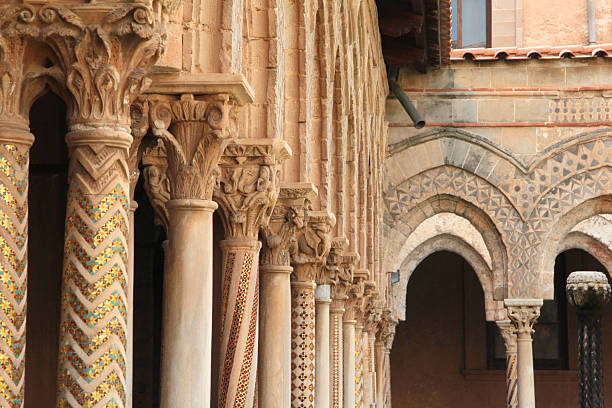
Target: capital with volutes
x,y
248,185
313,246
287,218
523,313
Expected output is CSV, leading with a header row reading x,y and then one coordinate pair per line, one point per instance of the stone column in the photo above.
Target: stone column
x,y
349,334
373,317
247,191
384,341
508,333
192,133
524,313
588,292
15,142
322,303
342,278
92,366
274,367
313,247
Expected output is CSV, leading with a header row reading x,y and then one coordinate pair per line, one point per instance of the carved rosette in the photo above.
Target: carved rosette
x,y
508,333
288,217
248,185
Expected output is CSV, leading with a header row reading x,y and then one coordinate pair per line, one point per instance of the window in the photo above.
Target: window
x,y
471,23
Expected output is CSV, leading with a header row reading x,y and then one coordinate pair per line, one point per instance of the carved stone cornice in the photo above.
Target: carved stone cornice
x,y
248,185
288,216
523,313
508,333
194,132
313,246
103,58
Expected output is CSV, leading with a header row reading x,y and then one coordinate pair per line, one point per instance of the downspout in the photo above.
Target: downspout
x,y
402,97
592,30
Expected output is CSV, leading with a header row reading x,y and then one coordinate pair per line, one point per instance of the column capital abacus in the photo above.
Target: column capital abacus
x,y
248,185
313,246
287,218
523,313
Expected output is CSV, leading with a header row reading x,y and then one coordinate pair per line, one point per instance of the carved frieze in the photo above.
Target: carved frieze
x,y
288,217
313,246
248,185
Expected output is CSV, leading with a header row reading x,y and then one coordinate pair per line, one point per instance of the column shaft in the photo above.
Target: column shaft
x,y
322,368
508,333
274,375
239,310
380,374
187,308
94,319
336,356
349,363
130,296
302,344
359,368
14,170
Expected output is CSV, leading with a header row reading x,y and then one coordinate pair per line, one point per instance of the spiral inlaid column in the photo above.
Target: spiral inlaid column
x,y
93,343
14,162
508,333
359,368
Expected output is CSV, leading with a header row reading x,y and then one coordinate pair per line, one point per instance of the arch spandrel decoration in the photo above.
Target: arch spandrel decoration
x,y
525,200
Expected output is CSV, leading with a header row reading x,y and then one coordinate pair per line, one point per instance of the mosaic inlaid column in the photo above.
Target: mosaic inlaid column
x,y
16,98
15,142
247,192
313,247
524,313
508,333
322,369
341,283
274,367
92,364
179,181
359,354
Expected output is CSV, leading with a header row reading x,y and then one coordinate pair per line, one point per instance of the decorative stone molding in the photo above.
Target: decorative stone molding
x,y
523,313
314,245
194,132
248,185
288,217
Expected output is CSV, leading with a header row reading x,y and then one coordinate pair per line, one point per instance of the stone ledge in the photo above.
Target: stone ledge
x,y
202,84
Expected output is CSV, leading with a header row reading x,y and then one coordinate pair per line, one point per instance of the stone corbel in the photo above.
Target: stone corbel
x,y
287,218
248,185
314,245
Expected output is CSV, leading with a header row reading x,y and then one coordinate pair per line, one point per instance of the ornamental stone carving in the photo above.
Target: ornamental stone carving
x,y
156,182
313,246
523,313
248,185
288,217
194,132
343,278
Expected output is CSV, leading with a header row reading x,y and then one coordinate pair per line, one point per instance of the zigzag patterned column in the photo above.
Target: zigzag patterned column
x,y
508,333
14,162
247,193
359,358
92,363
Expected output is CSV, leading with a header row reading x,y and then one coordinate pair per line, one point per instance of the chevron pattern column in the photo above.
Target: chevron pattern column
x,y
247,193
14,161
508,333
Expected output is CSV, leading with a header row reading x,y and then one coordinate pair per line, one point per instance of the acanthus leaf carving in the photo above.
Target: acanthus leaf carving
x,y
248,185
194,133
523,313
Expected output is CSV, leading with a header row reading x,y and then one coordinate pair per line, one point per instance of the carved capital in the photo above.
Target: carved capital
x,y
314,244
374,314
508,333
139,114
194,132
156,182
523,313
333,262
248,185
101,67
386,329
355,299
343,278
588,290
288,217
166,8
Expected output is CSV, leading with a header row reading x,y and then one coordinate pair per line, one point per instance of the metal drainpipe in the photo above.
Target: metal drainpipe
x,y
402,97
592,30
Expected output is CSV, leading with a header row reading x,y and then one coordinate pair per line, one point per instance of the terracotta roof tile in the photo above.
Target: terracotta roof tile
x,y
514,53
